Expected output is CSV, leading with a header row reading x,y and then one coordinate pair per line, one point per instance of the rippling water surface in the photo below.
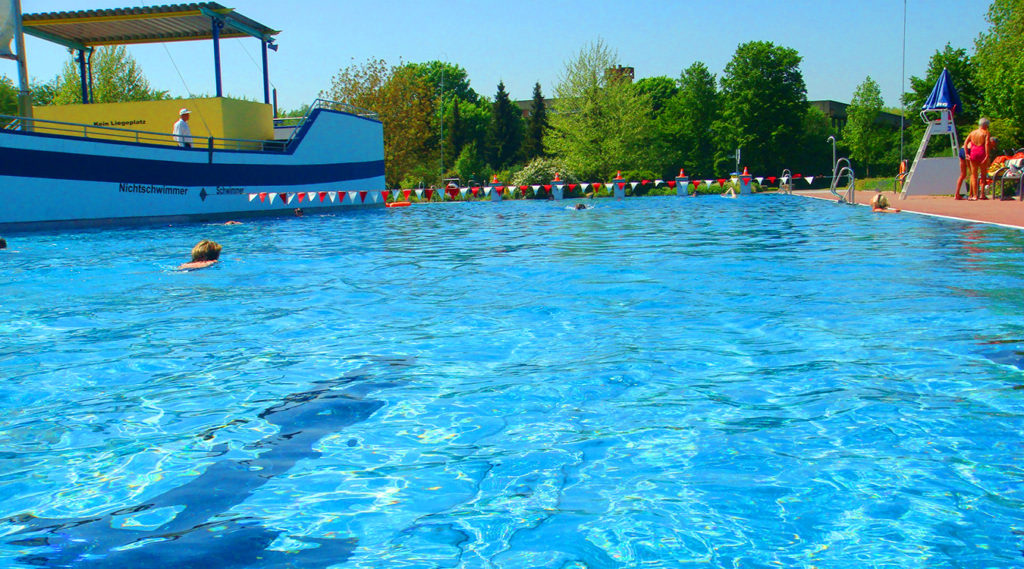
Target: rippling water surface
x,y
762,382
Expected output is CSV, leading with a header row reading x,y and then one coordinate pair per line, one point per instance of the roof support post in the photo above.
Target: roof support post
x,y
216,25
266,75
24,94
84,76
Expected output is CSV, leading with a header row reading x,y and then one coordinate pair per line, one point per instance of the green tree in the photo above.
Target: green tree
x,y
764,103
470,165
404,102
117,78
685,125
658,91
536,126
599,123
449,81
8,96
505,134
865,138
999,64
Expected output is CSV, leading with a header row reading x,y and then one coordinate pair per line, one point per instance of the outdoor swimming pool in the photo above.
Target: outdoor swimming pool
x,y
763,382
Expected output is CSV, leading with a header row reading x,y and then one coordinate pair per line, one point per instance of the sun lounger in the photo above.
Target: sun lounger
x,y
1008,180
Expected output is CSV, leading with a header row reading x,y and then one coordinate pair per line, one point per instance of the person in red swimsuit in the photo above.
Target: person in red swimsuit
x,y
976,146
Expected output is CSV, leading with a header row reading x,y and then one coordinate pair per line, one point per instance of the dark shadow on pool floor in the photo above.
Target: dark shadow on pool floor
x,y
196,538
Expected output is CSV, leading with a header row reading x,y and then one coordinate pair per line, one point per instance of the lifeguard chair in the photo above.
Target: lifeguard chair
x,y
936,175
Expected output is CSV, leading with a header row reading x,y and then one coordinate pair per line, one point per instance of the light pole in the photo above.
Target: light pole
x,y
832,139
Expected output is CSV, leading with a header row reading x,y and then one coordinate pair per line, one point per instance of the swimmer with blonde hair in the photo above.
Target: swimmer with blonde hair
x,y
881,205
204,254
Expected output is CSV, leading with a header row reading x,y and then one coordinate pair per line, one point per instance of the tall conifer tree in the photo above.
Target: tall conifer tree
x,y
536,126
505,135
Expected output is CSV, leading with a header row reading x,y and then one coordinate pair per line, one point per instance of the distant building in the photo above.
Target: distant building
x,y
619,72
526,107
836,112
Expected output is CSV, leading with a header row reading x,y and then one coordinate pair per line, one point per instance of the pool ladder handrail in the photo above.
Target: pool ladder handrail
x,y
786,182
838,172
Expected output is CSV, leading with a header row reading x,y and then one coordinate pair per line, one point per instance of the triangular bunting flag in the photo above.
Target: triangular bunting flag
x,y
659,182
596,186
524,188
475,191
430,194
499,188
634,184
759,179
584,186
622,185
810,180
405,194
272,197
362,197
572,187
535,188
252,196
394,195
463,191
721,183
709,182
547,187
487,190
263,197
671,183
322,196
302,196
384,196
798,176
287,198
419,194
771,179
310,196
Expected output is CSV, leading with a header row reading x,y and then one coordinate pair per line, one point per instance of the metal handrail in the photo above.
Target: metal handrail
x,y
850,196
786,182
142,136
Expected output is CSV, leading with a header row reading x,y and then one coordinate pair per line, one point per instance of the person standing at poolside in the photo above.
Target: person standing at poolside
x,y
963,174
977,146
182,132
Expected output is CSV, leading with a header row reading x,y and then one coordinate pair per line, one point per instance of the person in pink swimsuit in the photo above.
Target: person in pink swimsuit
x,y
976,147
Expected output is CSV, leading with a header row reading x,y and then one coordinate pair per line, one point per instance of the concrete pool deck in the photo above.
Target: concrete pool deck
x,y
1009,213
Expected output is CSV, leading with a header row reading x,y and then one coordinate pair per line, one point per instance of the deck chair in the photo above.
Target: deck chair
x,y
1008,180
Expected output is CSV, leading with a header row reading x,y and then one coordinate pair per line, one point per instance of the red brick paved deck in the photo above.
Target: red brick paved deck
x,y
1008,213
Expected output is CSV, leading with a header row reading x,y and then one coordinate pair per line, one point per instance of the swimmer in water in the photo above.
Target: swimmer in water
x,y
3,243
881,205
298,212
204,254
581,206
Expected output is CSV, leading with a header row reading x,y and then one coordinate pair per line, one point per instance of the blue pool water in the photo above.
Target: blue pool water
x,y
763,382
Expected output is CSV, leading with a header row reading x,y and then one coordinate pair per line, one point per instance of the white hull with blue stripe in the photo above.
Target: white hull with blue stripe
x,y
334,160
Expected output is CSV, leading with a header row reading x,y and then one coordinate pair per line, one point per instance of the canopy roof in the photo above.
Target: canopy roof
x,y
84,29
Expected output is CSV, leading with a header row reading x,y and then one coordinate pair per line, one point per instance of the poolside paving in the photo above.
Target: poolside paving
x,y
1009,213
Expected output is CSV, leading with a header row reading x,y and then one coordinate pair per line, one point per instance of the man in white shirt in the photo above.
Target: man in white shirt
x,y
182,133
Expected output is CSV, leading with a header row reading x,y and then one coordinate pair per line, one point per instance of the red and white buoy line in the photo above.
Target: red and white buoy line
x,y
453,193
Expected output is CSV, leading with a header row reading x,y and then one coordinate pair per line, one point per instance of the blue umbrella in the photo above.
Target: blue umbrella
x,y
944,95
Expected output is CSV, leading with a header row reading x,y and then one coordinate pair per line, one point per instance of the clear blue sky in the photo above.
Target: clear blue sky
x,y
529,41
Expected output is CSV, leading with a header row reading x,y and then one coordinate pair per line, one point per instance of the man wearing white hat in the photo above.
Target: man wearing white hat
x,y
182,133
